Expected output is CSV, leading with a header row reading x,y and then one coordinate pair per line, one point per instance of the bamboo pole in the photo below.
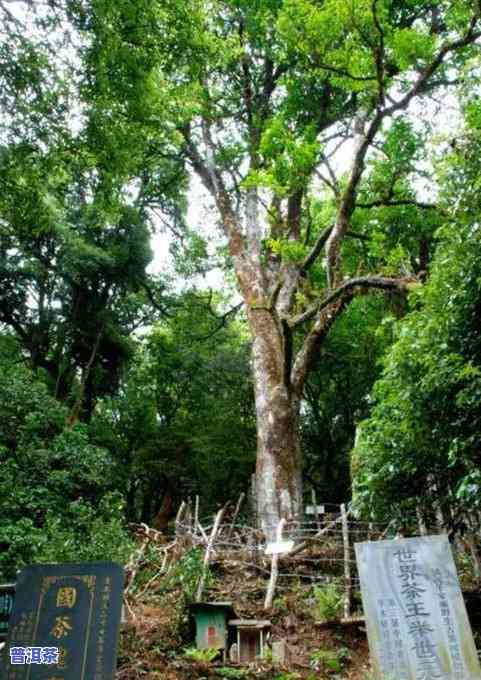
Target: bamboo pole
x,y
274,568
347,563
179,517
196,514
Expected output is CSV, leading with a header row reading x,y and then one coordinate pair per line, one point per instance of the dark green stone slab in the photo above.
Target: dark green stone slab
x,y
74,607
7,596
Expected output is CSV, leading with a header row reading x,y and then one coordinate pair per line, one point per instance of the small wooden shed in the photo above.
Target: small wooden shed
x,y
251,638
211,624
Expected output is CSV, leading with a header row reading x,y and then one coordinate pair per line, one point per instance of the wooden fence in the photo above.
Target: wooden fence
x,y
321,547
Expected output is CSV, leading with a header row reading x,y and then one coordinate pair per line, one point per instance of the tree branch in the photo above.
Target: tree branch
x,y
469,37
382,203
212,180
316,249
222,319
344,73
379,53
333,182
197,161
348,202
327,311
361,282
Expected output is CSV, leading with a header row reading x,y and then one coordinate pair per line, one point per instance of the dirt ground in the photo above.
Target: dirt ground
x,y
160,630
145,652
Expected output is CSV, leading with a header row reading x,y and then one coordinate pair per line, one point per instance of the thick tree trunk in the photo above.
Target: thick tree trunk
x,y
165,513
279,461
279,471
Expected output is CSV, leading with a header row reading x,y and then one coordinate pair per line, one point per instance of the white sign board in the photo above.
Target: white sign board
x,y
315,509
279,548
416,619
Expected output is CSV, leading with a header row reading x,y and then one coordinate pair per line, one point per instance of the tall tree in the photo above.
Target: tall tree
x,y
74,226
262,95
190,395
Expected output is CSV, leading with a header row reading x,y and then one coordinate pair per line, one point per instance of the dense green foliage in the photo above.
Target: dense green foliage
x,y
57,501
335,397
189,393
421,446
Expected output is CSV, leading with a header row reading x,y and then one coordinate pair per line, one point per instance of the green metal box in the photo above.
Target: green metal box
x,y
211,624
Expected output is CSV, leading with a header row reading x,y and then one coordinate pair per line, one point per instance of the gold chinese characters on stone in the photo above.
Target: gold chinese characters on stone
x,y
62,658
66,597
62,627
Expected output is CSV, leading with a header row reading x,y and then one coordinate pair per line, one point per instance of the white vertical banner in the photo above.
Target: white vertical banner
x,y
416,618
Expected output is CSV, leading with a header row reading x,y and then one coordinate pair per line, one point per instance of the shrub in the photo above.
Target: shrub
x,y
232,673
56,500
329,601
201,655
187,572
87,534
330,660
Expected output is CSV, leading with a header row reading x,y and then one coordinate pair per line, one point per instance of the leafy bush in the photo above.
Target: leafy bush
x,y
232,673
330,660
329,601
201,655
87,534
187,573
55,500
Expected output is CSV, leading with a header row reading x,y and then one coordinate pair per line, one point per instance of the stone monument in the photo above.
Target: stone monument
x,y
65,623
416,619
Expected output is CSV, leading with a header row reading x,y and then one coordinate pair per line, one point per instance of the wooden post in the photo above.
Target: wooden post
x,y
188,515
238,507
254,500
208,551
423,530
178,518
347,563
196,514
236,512
274,568
314,503
475,557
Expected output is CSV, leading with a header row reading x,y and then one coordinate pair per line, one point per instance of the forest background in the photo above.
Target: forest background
x,y
338,341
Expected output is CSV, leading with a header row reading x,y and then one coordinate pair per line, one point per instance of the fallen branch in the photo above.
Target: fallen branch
x,y
130,610
305,544
236,512
213,533
351,621
133,564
